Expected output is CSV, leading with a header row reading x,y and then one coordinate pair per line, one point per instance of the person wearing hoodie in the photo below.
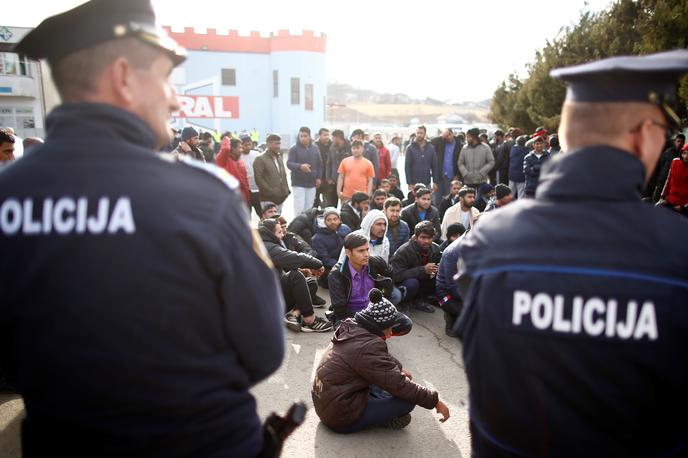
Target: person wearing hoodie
x,y
300,317
517,179
329,240
359,385
373,226
229,158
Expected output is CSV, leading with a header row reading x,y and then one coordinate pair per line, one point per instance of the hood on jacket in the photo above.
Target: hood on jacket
x,y
370,218
349,329
267,235
225,144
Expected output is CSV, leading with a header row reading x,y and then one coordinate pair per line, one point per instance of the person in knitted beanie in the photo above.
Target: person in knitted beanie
x,y
358,384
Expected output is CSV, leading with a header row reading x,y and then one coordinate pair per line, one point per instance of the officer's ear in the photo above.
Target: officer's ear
x,y
648,139
123,81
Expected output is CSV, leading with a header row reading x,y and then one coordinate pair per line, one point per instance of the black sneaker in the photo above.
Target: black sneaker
x,y
423,307
318,302
293,322
398,422
319,325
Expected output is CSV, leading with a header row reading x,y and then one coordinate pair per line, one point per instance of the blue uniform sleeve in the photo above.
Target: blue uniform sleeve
x,y
251,297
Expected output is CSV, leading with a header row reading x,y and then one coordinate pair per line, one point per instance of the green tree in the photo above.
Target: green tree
x,y
626,27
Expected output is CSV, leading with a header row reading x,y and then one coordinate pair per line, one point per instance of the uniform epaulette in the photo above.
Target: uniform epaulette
x,y
212,169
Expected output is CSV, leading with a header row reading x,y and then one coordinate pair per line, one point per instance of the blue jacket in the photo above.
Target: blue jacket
x,y
120,329
444,281
421,164
397,236
531,169
328,244
574,321
299,155
516,156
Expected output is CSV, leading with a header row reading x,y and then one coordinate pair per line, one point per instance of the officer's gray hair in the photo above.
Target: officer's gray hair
x,y
76,75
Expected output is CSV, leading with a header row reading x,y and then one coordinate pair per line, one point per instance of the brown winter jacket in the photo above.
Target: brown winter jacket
x,y
354,360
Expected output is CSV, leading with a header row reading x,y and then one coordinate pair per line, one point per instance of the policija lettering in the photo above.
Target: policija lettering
x,y
66,215
593,316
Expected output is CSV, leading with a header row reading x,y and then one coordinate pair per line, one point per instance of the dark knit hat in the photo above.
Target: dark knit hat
x,y
474,132
502,190
189,132
380,312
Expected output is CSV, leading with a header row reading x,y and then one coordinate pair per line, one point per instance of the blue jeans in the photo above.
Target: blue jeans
x,y
381,407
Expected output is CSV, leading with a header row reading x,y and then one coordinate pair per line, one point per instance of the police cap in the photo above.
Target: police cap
x,y
95,22
652,79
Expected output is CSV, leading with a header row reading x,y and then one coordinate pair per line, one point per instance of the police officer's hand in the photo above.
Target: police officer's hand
x,y
305,168
443,410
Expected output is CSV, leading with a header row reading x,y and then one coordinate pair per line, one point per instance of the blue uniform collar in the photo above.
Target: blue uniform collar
x,y
86,120
598,172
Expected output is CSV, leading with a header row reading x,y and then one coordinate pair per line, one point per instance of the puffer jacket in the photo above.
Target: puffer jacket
x,y
355,359
531,169
397,236
328,243
339,282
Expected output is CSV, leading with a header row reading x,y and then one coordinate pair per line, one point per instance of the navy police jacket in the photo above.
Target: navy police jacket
x,y
575,327
137,307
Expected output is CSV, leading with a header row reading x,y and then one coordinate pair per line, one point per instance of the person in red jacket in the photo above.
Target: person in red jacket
x,y
675,193
385,162
229,158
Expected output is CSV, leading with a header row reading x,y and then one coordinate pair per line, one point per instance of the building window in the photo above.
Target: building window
x,y
14,64
275,83
309,97
295,91
228,77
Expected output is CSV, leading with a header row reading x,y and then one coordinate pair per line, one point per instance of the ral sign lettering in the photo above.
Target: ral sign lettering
x,y
207,106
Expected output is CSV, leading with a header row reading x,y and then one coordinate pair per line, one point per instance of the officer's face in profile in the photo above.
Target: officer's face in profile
x,y
152,96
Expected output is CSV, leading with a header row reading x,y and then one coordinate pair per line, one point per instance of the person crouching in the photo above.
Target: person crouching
x,y
358,384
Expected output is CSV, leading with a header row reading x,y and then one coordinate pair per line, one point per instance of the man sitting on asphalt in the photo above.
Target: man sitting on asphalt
x,y
328,240
398,231
447,289
502,197
462,212
422,210
300,317
354,210
352,278
450,199
415,265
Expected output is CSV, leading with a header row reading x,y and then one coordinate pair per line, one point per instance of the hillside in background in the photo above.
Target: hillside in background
x,y
347,104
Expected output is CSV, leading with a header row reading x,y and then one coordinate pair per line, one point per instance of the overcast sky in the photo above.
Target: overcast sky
x,y
445,49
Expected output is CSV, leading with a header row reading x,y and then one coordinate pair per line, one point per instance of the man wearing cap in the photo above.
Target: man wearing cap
x,y
476,160
189,145
128,279
574,323
532,164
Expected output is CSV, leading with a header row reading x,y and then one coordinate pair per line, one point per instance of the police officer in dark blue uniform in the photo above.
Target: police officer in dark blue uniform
x,y
138,307
575,327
